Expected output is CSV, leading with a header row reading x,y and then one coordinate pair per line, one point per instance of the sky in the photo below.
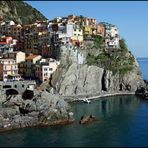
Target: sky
x,y
130,17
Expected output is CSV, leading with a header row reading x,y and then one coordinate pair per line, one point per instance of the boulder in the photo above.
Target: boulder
x,y
87,119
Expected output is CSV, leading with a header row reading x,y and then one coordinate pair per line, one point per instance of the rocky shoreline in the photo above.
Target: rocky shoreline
x,y
54,123
44,109
45,114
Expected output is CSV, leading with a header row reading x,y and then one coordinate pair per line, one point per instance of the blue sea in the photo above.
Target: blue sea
x,y
143,63
121,121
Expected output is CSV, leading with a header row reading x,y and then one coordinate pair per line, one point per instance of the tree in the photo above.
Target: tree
x,y
123,45
98,41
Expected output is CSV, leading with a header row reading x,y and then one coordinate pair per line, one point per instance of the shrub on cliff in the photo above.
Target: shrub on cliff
x,y
98,41
123,45
115,60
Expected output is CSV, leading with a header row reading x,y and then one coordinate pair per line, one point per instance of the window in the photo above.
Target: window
x,y
7,86
45,74
23,85
50,69
15,86
45,69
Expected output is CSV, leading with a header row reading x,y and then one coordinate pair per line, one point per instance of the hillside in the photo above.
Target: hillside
x,y
20,12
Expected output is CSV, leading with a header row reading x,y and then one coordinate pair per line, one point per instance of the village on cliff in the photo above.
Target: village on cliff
x,y
31,53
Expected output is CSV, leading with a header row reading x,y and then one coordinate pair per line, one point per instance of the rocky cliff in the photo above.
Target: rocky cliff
x,y
104,70
20,12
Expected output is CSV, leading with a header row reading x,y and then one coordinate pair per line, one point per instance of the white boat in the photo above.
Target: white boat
x,y
86,100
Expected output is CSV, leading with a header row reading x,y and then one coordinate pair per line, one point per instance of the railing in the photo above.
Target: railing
x,y
22,81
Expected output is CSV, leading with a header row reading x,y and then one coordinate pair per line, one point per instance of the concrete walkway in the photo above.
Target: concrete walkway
x,y
95,96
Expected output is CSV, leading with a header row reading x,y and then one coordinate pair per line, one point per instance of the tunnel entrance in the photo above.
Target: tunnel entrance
x,y
11,92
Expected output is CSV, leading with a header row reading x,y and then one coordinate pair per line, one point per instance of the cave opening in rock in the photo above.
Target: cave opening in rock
x,y
120,87
103,82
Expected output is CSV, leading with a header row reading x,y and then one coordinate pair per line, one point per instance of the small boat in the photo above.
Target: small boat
x,y
86,100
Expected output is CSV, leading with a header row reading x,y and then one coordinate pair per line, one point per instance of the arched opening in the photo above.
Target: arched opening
x,y
28,94
11,92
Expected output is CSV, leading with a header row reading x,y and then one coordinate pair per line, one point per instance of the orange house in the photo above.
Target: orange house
x,y
101,30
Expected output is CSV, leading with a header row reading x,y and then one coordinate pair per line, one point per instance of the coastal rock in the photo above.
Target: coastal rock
x,y
107,82
81,80
43,109
84,79
73,79
87,119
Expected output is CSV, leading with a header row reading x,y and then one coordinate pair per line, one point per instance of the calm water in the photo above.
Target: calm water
x,y
122,121
143,62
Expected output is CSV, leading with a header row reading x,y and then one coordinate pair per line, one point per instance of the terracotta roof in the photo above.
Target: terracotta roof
x,y
30,57
3,43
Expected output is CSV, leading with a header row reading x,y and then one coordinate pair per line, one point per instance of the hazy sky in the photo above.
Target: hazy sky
x,y
130,17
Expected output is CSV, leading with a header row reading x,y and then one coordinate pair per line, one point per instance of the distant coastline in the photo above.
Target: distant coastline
x,y
142,58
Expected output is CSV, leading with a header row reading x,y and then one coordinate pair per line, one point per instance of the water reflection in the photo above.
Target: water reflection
x,y
105,107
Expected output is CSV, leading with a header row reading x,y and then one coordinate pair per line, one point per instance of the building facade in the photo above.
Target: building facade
x,y
30,65
45,68
18,56
8,67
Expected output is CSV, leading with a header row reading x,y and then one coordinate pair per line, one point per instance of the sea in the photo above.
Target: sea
x,y
122,121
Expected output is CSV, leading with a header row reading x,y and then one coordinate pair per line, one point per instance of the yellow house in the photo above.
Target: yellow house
x,y
87,30
77,33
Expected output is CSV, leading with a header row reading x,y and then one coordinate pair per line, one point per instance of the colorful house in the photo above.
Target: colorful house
x,y
75,32
87,30
45,68
101,30
18,56
8,67
30,65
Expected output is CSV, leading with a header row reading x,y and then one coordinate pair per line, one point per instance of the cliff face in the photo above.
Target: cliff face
x,y
85,79
20,12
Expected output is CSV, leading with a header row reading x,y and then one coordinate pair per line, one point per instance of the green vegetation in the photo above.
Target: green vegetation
x,y
122,44
116,60
98,41
19,10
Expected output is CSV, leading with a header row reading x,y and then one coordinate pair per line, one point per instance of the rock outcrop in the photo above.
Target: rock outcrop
x,y
143,91
43,109
72,79
87,119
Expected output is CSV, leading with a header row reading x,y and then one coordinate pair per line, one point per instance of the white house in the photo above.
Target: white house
x,y
45,67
